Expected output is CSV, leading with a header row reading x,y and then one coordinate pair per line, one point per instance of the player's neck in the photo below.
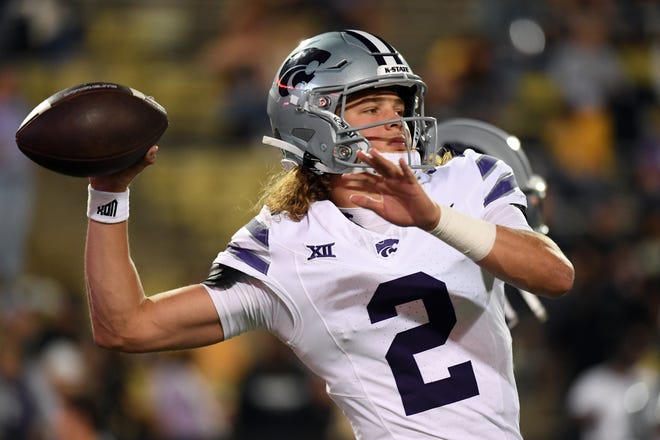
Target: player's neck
x,y
367,219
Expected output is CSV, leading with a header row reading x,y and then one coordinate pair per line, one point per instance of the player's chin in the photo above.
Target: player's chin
x,y
392,147
380,144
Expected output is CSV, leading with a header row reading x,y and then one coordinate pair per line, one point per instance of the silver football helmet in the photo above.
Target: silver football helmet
x,y
307,100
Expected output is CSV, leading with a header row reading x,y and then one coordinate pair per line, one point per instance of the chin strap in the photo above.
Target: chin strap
x,y
279,143
287,164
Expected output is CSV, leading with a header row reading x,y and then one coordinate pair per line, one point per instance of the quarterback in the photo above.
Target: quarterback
x,y
378,261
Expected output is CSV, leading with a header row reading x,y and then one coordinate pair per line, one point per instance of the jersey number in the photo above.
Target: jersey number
x,y
416,395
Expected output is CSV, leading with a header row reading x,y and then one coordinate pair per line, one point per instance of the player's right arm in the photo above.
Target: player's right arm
x,y
122,316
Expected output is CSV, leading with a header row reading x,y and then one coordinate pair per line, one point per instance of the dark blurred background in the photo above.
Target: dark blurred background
x,y
577,81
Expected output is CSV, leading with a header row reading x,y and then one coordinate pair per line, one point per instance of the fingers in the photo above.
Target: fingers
x,y
151,154
389,176
363,182
119,181
364,201
385,167
148,159
407,171
379,163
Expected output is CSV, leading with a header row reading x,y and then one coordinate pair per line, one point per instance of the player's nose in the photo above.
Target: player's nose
x,y
393,118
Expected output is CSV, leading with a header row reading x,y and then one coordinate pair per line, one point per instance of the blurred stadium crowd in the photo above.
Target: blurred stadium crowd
x,y
578,81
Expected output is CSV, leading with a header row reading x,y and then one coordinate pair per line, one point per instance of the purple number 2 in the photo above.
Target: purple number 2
x,y
416,395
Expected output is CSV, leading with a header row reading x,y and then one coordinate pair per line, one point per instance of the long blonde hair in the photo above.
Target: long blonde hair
x,y
293,191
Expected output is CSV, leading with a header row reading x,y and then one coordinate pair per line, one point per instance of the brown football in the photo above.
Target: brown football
x,y
92,129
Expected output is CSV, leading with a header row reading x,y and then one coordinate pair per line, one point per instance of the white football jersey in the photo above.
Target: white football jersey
x,y
409,334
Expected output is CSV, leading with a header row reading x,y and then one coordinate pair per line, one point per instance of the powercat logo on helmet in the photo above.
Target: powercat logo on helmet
x,y
300,68
389,70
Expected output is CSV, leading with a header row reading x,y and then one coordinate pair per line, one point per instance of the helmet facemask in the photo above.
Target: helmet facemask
x,y
419,130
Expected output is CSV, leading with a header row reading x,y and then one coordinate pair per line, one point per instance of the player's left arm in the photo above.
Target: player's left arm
x,y
528,260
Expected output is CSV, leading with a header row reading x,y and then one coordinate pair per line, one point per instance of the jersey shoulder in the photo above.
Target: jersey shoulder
x,y
253,248
486,180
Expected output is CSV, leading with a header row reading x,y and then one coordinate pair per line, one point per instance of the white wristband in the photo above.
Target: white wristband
x,y
471,236
107,207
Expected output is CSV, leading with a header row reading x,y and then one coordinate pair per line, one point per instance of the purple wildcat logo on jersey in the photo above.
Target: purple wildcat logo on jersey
x,y
387,247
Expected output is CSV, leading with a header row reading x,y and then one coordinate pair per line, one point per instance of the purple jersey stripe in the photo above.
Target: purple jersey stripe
x,y
249,258
258,230
504,186
486,164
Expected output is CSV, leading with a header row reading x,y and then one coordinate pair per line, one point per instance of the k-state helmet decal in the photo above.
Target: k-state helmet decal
x,y
301,68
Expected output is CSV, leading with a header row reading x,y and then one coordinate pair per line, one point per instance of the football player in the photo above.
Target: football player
x,y
382,267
